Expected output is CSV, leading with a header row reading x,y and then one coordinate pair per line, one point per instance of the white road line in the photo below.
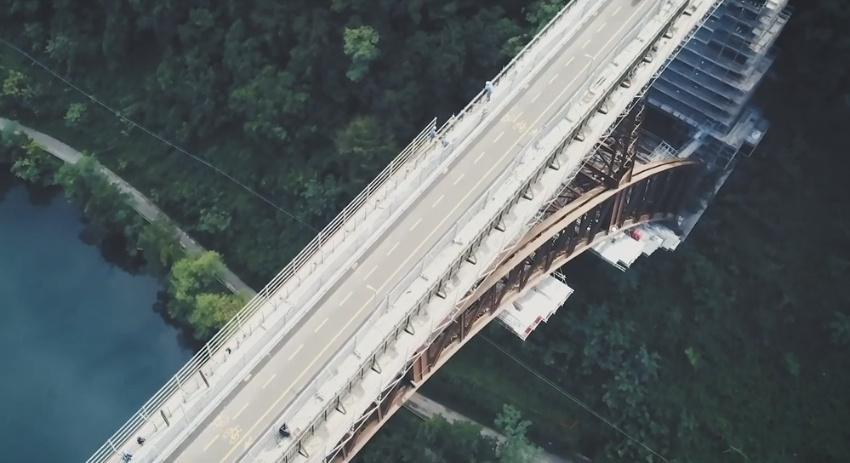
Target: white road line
x,y
498,137
602,26
370,272
478,158
534,99
211,442
553,78
249,403
458,179
321,325
298,378
395,246
619,8
586,44
625,23
397,270
437,202
371,288
413,227
388,280
266,384
570,61
295,352
342,302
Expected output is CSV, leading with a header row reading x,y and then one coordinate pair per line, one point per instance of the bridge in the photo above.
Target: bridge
x,y
542,165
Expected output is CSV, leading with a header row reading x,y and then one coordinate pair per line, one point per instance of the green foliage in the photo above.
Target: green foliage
x,y
15,86
197,297
265,90
211,311
160,246
408,440
191,276
35,165
839,329
76,114
103,203
361,45
516,448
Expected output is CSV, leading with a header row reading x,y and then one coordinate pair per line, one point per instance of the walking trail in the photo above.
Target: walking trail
x,y
424,407
418,404
144,206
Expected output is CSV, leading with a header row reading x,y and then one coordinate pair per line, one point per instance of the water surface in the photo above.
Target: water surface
x,y
81,346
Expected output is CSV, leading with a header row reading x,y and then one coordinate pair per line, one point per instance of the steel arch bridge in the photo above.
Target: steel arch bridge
x,y
579,219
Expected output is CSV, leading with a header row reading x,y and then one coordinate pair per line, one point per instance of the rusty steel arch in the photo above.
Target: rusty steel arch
x,y
654,193
651,193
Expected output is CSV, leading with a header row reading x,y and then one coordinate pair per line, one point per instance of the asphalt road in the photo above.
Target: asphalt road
x,y
254,407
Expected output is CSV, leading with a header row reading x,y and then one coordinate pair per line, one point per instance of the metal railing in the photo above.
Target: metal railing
x,y
523,186
227,333
314,254
507,75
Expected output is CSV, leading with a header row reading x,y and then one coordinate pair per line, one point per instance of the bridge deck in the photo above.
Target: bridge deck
x,y
254,408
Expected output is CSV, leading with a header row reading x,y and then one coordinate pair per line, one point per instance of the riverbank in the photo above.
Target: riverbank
x,y
83,339
139,202
202,294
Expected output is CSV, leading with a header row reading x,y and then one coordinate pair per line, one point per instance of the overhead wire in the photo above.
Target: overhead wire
x,y
572,398
158,137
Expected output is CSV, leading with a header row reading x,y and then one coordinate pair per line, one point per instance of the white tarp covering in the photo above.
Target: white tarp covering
x,y
535,306
623,249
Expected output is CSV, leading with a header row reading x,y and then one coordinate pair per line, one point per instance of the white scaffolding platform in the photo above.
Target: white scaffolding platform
x,y
623,249
535,306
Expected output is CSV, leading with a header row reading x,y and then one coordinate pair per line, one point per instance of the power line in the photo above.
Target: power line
x,y
573,398
156,136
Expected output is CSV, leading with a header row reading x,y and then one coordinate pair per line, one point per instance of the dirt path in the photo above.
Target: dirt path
x,y
426,408
144,206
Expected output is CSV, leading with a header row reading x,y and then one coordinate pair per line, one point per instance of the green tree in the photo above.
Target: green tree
x,y
409,440
160,244
361,45
76,114
516,448
211,311
36,165
191,276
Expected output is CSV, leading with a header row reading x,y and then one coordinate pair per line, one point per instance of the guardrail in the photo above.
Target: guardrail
x,y
174,388
368,360
293,448
230,329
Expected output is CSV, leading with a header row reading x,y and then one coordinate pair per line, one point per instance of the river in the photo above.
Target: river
x,y
81,345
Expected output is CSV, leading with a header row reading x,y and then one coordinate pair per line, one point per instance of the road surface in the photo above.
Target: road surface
x,y
254,408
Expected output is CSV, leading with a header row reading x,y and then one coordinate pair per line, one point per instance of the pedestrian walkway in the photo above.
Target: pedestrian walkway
x,y
144,206
424,407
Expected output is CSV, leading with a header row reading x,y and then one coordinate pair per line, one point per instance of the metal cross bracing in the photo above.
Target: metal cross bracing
x,y
655,193
636,196
637,200
468,255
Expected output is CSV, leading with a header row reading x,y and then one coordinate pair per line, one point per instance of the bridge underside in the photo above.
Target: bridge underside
x,y
556,195
588,211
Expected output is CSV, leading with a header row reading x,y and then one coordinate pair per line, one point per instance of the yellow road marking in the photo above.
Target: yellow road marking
x,y
404,263
246,405
211,442
268,381
295,352
370,272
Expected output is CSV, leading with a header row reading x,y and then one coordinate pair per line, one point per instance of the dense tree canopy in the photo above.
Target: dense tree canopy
x,y
302,100
735,349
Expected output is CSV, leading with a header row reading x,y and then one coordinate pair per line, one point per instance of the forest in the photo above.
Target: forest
x,y
733,349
